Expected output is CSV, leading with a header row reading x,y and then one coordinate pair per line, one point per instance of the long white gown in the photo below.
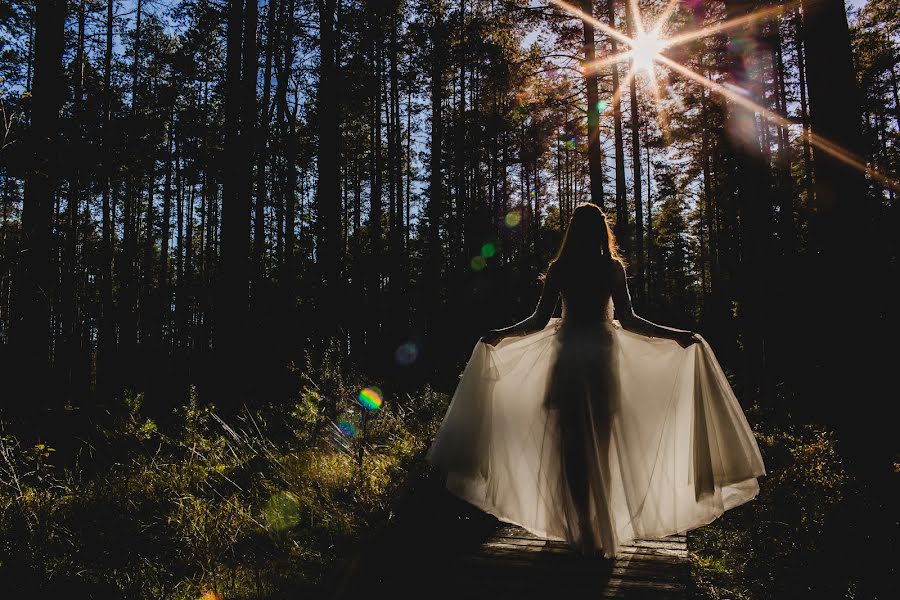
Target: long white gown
x,y
670,450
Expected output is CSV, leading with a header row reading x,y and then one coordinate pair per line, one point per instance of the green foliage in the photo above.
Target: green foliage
x,y
209,507
786,542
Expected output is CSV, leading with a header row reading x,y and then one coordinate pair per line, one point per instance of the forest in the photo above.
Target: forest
x,y
247,246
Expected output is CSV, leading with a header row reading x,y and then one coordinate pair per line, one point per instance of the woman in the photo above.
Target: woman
x,y
593,429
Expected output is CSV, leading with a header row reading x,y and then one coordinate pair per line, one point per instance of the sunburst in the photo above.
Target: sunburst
x,y
646,52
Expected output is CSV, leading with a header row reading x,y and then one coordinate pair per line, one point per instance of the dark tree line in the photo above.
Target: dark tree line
x,y
198,193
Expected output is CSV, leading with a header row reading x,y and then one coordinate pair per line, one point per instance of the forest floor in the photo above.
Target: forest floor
x,y
280,505
442,547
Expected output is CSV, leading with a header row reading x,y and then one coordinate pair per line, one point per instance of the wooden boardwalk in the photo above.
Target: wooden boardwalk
x,y
513,563
444,548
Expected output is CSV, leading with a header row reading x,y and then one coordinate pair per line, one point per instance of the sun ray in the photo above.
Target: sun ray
x,y
661,114
608,60
763,14
650,44
610,31
636,16
664,16
818,141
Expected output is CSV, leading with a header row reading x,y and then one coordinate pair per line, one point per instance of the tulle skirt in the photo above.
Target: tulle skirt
x,y
595,435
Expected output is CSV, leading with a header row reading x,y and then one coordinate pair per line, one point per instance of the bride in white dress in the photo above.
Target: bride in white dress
x,y
598,427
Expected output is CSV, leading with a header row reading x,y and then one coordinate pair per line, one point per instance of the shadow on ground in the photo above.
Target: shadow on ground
x,y
438,546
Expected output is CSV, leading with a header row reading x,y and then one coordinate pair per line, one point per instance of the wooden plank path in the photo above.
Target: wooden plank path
x,y
513,563
444,548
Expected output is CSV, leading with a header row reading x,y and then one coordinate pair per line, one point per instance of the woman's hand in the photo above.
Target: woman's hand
x,y
686,338
492,337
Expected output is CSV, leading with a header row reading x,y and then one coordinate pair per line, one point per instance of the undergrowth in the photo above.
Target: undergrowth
x,y
211,508
814,531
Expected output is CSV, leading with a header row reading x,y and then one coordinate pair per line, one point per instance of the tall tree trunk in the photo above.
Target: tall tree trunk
x,y
398,271
237,172
290,184
783,156
147,306
595,158
636,175
128,312
847,219
328,193
31,334
622,228
750,185
262,156
165,301
650,240
179,246
434,210
373,335
70,320
106,342
804,110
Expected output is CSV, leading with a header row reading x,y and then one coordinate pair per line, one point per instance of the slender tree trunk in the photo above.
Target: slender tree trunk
x,y
636,175
31,332
262,156
804,112
622,227
650,240
328,193
128,309
375,262
189,279
398,307
783,156
435,207
179,246
409,177
595,158
147,306
751,186
165,300
70,318
290,195
237,172
849,227
106,337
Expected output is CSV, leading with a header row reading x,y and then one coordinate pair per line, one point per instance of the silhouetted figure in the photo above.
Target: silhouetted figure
x,y
591,428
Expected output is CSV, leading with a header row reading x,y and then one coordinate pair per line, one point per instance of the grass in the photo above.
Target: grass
x,y
814,531
208,508
279,502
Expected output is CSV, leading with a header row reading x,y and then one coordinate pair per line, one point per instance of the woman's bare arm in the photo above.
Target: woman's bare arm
x,y
534,322
632,322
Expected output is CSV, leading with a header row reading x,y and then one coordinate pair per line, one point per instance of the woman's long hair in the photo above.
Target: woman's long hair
x,y
587,236
588,242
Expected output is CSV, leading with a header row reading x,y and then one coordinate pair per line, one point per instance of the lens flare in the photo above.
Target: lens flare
x,y
406,353
478,263
282,511
513,218
347,428
211,595
488,250
370,398
646,52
